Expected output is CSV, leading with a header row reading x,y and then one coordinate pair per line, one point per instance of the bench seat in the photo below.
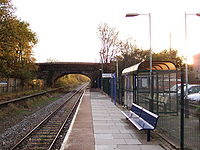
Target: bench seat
x,y
141,118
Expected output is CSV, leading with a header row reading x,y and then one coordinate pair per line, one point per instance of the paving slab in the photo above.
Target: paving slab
x,y
112,131
100,125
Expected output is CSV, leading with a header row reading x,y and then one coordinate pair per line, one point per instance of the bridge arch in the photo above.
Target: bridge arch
x,y
68,73
49,72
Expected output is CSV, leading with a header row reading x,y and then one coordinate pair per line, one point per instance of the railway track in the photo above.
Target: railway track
x,y
4,103
45,134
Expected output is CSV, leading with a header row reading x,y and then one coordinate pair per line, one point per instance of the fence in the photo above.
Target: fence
x,y
179,117
13,85
9,85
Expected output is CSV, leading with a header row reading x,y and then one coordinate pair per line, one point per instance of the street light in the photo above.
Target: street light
x,y
186,48
150,51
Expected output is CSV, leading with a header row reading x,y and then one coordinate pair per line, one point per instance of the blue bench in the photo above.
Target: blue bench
x,y
141,118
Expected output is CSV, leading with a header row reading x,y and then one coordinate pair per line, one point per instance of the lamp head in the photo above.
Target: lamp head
x,y
132,14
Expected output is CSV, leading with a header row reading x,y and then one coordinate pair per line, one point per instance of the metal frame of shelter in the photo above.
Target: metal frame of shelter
x,y
158,97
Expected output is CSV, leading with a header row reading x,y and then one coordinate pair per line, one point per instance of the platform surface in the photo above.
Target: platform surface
x,y
100,125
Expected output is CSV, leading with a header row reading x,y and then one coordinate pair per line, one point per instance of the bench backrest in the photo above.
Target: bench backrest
x,y
136,109
148,116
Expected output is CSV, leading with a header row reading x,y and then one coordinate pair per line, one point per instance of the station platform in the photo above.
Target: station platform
x,y
100,125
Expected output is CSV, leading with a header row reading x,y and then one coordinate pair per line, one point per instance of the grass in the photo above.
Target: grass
x,y
40,102
26,107
8,96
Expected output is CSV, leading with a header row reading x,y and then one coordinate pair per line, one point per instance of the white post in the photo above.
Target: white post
x,y
186,65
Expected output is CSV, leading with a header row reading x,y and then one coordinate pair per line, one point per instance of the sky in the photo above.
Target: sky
x,y
67,29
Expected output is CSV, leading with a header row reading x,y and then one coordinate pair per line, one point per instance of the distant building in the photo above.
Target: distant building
x,y
196,65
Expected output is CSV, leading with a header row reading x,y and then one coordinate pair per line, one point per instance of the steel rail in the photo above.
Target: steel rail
x,y
28,96
46,119
67,118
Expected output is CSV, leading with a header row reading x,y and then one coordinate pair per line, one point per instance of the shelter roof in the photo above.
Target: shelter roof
x,y
145,66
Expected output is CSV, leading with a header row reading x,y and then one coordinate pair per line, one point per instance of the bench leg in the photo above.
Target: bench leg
x,y
148,135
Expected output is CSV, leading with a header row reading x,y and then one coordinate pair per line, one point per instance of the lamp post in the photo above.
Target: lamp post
x,y
101,74
186,49
150,53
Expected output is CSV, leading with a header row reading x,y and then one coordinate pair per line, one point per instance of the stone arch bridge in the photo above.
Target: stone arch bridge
x,y
50,72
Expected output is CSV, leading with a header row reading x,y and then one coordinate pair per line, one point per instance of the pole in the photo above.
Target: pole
x,y
170,43
186,71
102,74
186,65
117,68
150,63
117,80
182,112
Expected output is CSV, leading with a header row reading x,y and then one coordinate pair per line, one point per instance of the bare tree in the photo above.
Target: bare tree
x,y
52,60
110,42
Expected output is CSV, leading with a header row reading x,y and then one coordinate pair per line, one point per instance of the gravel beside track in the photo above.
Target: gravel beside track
x,y
12,135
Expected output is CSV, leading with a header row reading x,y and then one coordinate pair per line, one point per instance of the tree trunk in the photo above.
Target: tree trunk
x,y
7,86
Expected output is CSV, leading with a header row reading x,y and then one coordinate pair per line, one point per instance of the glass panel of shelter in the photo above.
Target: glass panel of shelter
x,y
163,101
